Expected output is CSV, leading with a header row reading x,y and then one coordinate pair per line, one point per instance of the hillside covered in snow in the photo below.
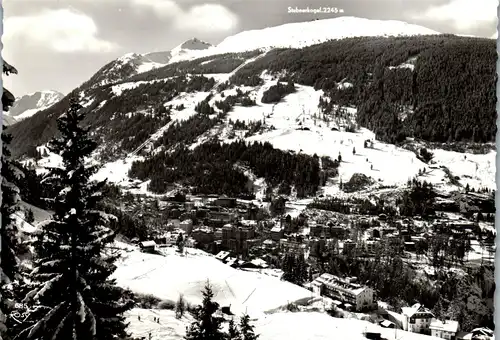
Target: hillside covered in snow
x,y
27,105
263,297
375,102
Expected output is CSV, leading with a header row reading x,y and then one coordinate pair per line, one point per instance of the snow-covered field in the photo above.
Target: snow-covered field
x,y
168,276
319,326
254,293
385,163
168,327
276,326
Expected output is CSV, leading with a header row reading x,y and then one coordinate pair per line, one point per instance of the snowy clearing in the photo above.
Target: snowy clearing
x,y
168,276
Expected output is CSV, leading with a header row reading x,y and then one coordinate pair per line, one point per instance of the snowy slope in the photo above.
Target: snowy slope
x,y
168,327
302,34
277,326
385,163
29,104
292,326
244,291
168,276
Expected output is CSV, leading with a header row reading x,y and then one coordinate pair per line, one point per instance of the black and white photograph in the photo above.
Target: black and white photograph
x,y
248,169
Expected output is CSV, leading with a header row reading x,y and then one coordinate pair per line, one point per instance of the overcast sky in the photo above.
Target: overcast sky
x,y
58,44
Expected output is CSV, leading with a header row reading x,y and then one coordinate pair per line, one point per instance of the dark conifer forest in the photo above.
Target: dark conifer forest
x,y
210,168
449,95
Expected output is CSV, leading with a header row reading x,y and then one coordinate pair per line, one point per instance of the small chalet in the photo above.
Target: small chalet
x,y
147,246
387,324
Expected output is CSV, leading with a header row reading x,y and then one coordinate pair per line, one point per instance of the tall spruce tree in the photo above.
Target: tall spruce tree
x,y
206,326
246,329
9,234
300,269
288,265
72,289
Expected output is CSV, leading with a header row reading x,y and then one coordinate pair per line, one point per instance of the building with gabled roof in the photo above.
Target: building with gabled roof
x,y
222,255
417,319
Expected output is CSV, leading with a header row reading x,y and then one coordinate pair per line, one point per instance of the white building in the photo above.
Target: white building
x,y
444,329
417,319
147,246
359,296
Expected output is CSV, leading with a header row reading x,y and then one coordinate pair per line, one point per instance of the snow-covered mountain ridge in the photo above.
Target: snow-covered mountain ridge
x,y
132,64
302,34
29,104
293,35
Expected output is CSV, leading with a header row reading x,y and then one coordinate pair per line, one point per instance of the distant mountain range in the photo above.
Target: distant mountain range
x,y
294,35
27,105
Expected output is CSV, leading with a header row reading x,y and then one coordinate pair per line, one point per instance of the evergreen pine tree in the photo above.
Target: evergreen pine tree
x,y
247,329
233,333
300,270
206,326
288,267
9,234
71,285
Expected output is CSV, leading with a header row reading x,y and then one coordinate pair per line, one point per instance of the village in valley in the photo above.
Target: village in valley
x,y
246,237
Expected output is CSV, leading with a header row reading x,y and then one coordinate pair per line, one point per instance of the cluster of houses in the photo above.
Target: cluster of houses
x,y
347,294
229,228
217,223
419,319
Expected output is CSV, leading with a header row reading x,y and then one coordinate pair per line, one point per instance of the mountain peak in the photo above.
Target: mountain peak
x,y
302,34
193,44
29,104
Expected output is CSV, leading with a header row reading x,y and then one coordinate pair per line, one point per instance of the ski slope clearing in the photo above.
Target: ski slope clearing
x,y
296,124
278,326
168,276
299,126
168,327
